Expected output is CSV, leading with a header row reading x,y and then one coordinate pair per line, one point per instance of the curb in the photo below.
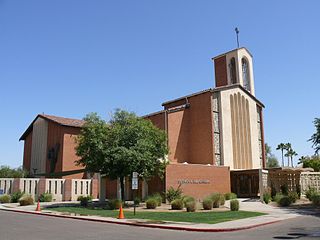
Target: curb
x,y
145,225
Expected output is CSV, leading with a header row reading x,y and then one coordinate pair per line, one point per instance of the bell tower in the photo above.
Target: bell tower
x,y
235,67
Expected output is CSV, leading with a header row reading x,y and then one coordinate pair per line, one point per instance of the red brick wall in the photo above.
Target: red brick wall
x,y
27,152
69,152
220,67
111,189
190,133
158,120
218,177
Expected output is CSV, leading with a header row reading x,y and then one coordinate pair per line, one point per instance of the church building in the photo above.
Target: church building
x,y
215,137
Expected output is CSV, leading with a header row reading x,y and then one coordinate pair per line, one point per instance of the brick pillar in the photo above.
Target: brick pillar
x,y
42,186
16,185
95,188
67,190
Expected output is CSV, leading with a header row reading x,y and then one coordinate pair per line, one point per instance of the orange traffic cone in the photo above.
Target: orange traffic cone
x,y
121,215
38,209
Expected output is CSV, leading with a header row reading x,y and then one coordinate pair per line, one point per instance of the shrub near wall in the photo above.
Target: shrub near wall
x,y
5,198
234,205
177,204
26,200
207,204
16,196
151,203
45,197
316,199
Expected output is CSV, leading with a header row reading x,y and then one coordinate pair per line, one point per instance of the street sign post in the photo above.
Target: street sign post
x,y
135,186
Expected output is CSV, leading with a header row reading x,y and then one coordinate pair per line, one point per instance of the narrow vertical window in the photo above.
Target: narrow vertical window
x,y
232,69
245,74
216,130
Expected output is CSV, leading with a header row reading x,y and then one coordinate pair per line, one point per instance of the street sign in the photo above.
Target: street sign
x,y
135,181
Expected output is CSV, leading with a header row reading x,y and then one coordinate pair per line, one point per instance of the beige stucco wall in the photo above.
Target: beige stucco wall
x,y
39,145
238,55
226,126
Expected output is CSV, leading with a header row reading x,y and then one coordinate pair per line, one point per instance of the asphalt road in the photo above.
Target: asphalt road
x,y
16,226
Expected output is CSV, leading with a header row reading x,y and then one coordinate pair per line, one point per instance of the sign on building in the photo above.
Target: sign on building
x,y
135,182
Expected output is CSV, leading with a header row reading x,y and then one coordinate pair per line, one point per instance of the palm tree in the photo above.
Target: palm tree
x,y
287,148
281,146
290,154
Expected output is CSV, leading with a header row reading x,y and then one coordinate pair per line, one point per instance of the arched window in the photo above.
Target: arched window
x,y
232,69
246,74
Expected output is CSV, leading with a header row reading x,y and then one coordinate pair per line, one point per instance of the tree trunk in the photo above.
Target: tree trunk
x,y
288,161
122,188
282,158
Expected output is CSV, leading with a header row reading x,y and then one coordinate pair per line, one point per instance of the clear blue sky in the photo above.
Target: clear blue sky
x,y
69,58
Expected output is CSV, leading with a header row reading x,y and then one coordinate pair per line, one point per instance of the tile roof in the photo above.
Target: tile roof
x,y
69,122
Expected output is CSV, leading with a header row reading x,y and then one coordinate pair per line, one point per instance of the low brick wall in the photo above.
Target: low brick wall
x,y
198,180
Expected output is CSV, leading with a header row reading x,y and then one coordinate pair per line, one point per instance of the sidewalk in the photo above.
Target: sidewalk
x,y
274,215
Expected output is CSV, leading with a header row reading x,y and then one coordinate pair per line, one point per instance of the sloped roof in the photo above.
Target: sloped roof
x,y
69,122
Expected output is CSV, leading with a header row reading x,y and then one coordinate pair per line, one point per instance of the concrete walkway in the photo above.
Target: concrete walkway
x,y
274,214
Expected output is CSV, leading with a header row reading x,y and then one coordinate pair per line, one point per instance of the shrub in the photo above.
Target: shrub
x,y
16,196
207,204
273,191
229,196
222,199
234,205
151,203
277,197
266,197
310,192
293,196
5,198
137,201
191,206
285,201
216,199
158,197
84,200
114,204
187,199
26,200
298,190
177,204
316,199
284,189
45,197
173,194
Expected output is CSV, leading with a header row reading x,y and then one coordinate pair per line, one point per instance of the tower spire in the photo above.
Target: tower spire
x,y
237,33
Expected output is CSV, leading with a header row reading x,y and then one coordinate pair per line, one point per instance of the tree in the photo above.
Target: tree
x,y
287,148
272,161
315,138
124,145
7,172
290,154
310,162
282,147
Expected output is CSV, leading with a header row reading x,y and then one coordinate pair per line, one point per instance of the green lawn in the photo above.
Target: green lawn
x,y
196,217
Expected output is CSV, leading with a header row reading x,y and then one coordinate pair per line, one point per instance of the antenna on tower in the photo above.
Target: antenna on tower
x,y
237,32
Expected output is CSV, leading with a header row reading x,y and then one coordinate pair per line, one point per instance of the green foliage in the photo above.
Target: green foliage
x,y
16,196
173,194
298,189
293,196
124,145
315,138
273,191
285,201
234,205
284,189
191,206
217,199
26,200
311,162
7,172
137,201
114,204
229,196
177,204
5,198
187,199
266,197
84,200
207,204
310,193
272,161
277,197
151,203
316,199
158,197
282,147
45,197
